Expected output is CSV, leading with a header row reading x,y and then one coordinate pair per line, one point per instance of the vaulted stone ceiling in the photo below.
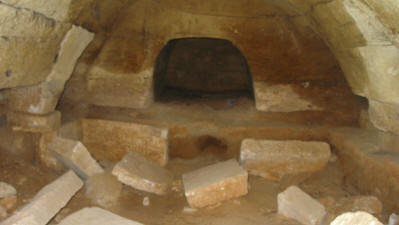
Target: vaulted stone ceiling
x,y
283,41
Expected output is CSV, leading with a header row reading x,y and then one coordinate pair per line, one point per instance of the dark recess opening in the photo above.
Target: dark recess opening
x,y
190,68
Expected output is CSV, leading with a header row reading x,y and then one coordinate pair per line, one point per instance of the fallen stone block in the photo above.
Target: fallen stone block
x,y
96,216
103,189
34,123
274,159
358,218
75,156
6,190
215,183
296,204
47,202
101,135
145,175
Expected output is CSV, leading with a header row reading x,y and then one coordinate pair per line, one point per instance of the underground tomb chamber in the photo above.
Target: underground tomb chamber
x,y
187,112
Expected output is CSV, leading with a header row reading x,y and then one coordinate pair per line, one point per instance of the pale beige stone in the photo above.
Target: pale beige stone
x,y
273,159
103,189
358,218
215,183
101,135
384,116
34,123
143,174
96,216
296,204
47,202
74,155
6,190
43,98
45,155
369,204
280,98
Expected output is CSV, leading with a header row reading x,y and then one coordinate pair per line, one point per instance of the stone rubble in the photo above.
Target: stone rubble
x,y
8,197
74,155
215,183
103,189
272,159
34,123
96,216
358,218
296,204
143,174
47,202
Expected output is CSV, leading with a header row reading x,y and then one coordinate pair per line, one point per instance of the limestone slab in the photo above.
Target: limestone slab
x,y
215,183
143,174
47,202
104,189
280,98
296,204
74,155
34,123
96,216
273,159
101,135
358,218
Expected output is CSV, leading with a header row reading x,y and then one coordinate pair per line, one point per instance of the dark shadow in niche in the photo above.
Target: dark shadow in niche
x,y
193,68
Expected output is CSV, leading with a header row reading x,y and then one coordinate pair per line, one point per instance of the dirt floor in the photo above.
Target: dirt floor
x,y
201,134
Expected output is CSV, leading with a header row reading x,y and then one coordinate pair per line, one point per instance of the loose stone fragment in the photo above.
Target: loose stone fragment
x,y
75,156
96,216
7,190
215,183
393,219
274,159
101,135
34,123
358,218
103,189
296,204
46,204
143,174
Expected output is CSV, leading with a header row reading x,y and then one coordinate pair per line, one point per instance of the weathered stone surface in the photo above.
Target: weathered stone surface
x,y
96,216
280,98
274,159
143,174
393,219
45,155
296,204
358,218
101,135
6,190
74,155
71,130
47,202
384,116
43,98
3,213
9,203
34,123
103,189
33,34
215,183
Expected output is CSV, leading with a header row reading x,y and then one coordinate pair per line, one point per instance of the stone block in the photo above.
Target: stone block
x,y
34,123
96,216
71,130
274,159
280,98
358,218
384,116
99,136
215,183
47,202
143,174
296,204
7,190
75,156
103,189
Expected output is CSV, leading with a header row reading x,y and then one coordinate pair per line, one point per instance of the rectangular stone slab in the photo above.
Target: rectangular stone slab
x,y
46,204
34,123
143,174
74,155
215,183
111,140
96,216
296,204
274,159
